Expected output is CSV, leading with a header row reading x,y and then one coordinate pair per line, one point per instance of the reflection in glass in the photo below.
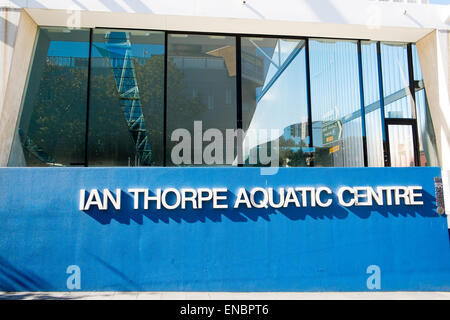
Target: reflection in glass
x,y
401,145
397,96
416,64
336,111
427,138
274,104
374,129
126,98
126,103
52,125
201,86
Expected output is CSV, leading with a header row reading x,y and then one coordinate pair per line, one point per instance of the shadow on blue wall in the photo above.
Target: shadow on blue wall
x,y
126,283
13,279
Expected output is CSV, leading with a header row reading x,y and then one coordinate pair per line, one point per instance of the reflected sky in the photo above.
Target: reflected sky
x,y
274,89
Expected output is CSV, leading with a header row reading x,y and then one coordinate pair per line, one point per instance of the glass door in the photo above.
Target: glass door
x,y
402,142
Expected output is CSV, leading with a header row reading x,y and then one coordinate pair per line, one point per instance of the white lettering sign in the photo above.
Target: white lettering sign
x,y
257,197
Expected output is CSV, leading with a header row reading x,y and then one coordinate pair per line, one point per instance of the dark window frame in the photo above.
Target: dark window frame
x,y
237,36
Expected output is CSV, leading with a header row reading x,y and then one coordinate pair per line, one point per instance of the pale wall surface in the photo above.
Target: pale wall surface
x,y
17,78
9,22
434,58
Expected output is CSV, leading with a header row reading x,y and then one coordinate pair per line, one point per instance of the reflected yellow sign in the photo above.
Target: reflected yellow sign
x,y
334,149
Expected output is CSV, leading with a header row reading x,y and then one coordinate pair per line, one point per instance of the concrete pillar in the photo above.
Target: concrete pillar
x,y
9,22
434,58
16,83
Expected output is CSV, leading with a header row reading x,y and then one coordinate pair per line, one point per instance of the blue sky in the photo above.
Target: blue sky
x,y
440,1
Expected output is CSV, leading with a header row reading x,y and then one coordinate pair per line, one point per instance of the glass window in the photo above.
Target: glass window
x,y
126,98
335,103
201,100
52,124
397,96
274,102
129,123
401,145
416,64
427,138
373,120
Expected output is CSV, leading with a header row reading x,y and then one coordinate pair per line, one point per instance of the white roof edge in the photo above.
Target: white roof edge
x,y
354,19
355,12
92,19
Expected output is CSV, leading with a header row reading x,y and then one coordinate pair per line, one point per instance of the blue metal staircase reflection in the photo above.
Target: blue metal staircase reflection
x,y
118,49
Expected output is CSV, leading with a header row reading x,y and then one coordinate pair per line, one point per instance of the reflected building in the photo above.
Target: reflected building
x,y
121,97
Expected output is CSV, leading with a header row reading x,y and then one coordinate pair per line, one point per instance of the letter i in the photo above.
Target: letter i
x,y
82,195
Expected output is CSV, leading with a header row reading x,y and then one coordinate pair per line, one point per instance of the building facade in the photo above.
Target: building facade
x,y
125,89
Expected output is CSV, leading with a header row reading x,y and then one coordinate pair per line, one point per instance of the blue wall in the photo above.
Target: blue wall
x,y
42,232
